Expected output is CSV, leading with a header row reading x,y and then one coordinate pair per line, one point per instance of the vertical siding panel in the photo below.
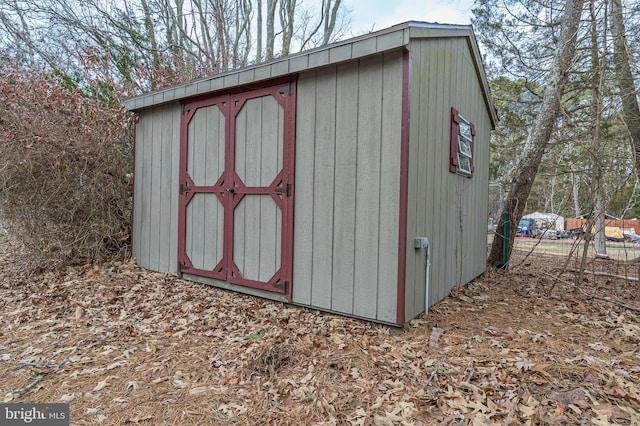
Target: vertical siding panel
x,y
367,187
450,214
212,208
323,184
468,235
137,191
447,217
198,173
272,126
303,235
345,188
389,199
145,250
164,183
140,190
174,144
433,196
412,255
425,161
240,167
248,238
155,189
219,152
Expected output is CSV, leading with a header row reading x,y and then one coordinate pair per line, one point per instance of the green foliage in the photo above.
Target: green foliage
x,y
520,37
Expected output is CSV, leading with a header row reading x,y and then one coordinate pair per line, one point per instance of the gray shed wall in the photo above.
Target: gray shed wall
x,y
155,210
449,209
347,187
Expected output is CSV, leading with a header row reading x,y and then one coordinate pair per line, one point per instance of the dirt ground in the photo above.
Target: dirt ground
x,y
125,346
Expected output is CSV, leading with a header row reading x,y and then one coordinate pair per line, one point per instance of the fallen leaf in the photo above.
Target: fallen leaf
x,y
435,335
524,364
67,398
101,385
396,355
116,365
540,369
599,346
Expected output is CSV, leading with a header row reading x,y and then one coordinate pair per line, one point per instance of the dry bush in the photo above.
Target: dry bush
x,y
65,189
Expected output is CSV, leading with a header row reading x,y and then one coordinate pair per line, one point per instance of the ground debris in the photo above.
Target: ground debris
x,y
125,346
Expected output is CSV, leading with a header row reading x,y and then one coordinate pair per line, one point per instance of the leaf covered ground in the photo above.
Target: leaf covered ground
x,y
122,345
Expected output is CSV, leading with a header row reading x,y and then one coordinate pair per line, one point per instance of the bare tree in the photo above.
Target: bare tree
x,y
626,84
287,17
597,181
271,35
543,126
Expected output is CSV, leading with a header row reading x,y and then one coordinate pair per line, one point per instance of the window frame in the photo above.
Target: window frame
x,y
458,142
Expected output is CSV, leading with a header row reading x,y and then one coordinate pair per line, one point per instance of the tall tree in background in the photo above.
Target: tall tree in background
x,y
597,151
543,125
626,83
149,44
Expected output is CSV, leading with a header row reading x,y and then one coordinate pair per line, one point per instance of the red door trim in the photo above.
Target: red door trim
x,y
187,188
404,185
230,189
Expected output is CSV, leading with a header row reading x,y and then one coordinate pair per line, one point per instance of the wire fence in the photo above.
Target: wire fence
x,y
565,253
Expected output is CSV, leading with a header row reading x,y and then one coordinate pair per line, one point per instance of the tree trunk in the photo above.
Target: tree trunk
x,y
575,190
151,34
287,16
622,61
597,183
540,133
330,14
271,11
259,32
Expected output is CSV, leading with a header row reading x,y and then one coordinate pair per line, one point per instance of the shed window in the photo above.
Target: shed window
x,y
461,144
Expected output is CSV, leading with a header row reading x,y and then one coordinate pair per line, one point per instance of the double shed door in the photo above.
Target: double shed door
x,y
236,188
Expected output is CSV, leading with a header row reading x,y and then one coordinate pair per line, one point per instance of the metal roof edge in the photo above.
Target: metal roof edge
x,y
484,81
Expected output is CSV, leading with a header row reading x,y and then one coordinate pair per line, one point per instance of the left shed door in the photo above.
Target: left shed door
x,y
202,188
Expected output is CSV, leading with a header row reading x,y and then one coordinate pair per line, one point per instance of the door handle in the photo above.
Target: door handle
x,y
231,190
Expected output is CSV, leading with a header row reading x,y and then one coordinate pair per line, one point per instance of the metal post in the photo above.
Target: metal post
x,y
505,238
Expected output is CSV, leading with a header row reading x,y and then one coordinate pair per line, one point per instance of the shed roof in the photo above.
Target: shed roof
x,y
392,38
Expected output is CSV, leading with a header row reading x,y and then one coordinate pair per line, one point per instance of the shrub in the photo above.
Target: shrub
x,y
64,175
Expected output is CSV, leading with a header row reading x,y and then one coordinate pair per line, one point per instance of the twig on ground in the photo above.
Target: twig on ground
x,y
53,366
616,302
606,274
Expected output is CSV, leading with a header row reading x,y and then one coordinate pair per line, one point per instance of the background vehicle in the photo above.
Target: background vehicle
x,y
527,228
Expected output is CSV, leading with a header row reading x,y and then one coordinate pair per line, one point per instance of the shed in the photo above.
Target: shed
x,y
329,179
551,219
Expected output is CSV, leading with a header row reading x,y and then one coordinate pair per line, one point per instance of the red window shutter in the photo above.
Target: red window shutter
x,y
453,143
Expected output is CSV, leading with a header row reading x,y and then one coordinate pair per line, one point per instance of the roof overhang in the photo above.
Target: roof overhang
x,y
389,39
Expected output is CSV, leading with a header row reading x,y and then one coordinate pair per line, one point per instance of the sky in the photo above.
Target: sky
x,y
378,14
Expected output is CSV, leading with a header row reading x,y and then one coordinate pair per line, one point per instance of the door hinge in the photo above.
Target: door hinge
x,y
184,188
284,189
185,109
282,285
